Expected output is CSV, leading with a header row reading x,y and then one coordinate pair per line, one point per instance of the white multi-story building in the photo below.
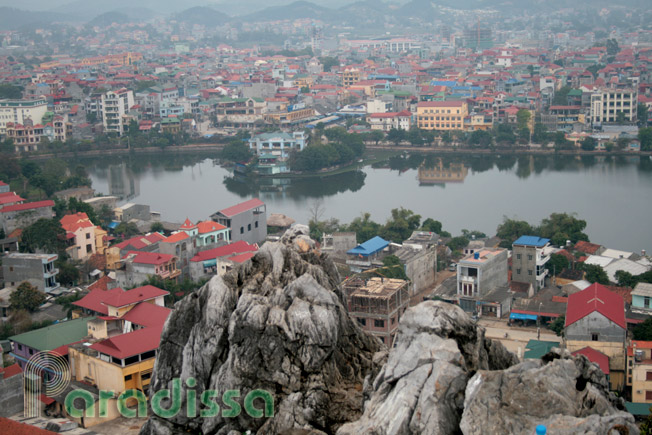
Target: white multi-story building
x,y
115,105
17,111
278,144
607,104
387,121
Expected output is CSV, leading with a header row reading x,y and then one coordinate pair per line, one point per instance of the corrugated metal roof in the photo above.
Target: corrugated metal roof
x,y
369,247
536,241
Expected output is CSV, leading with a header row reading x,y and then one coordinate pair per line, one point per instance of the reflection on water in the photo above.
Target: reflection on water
x,y
442,173
295,188
604,190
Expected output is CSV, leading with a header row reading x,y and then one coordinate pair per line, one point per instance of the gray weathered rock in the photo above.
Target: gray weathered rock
x,y
420,390
568,395
276,323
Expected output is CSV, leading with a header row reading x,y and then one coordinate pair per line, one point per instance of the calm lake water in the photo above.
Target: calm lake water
x,y
613,194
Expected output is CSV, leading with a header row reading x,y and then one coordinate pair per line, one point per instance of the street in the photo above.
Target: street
x,y
517,337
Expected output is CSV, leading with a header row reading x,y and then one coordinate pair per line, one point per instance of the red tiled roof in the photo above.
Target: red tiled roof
x,y
10,371
16,428
595,356
177,237
140,242
149,257
236,248
130,344
73,222
147,314
27,206
587,247
102,283
130,297
640,344
187,225
209,227
10,198
242,257
93,300
598,298
242,207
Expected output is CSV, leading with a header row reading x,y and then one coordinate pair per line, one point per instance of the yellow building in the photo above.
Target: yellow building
x,y
639,371
478,122
441,115
350,77
122,342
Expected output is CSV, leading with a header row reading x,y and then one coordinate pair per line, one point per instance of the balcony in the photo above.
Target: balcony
x,y
542,260
50,273
468,279
359,263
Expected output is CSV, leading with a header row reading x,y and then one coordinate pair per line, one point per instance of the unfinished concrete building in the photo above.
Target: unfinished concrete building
x,y
377,304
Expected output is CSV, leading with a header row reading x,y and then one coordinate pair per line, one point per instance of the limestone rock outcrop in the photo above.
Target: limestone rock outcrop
x,y
277,324
420,390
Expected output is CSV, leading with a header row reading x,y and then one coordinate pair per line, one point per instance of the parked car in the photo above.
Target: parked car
x,y
452,267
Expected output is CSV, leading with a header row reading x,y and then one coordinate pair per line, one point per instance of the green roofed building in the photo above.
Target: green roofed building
x,y
535,349
56,338
638,409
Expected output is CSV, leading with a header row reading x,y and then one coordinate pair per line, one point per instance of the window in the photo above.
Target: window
x,y
146,376
256,224
648,395
646,302
379,323
529,272
629,371
31,351
529,257
361,321
127,378
88,235
89,249
248,227
241,230
595,336
518,271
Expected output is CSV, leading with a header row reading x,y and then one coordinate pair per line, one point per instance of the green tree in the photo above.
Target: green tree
x,y
588,143
26,297
431,225
480,138
625,279
642,114
557,325
523,119
539,135
458,243
66,302
396,136
612,47
77,206
643,331
595,273
376,136
401,225
557,263
470,234
560,227
127,230
511,229
645,138
236,151
44,234
11,92
329,62
364,227
156,227
392,268
305,90
68,274
561,96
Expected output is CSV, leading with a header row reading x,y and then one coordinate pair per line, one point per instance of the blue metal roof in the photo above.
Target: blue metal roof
x,y
536,241
369,247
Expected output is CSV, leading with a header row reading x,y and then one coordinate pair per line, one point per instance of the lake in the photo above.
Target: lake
x,y
613,194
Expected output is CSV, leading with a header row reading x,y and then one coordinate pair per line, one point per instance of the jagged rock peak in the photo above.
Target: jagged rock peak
x,y
277,324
